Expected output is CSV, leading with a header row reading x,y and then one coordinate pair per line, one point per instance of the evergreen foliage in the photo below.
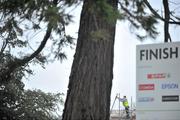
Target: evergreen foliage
x,y
16,103
142,22
21,21
135,11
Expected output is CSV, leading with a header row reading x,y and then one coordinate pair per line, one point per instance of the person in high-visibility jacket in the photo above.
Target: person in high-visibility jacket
x,y
125,104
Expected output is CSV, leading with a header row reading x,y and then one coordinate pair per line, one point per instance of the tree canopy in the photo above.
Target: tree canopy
x,y
21,21
16,103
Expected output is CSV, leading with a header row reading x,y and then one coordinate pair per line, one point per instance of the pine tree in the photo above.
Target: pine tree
x,y
90,81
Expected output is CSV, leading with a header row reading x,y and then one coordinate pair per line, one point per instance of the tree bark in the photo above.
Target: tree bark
x,y
90,81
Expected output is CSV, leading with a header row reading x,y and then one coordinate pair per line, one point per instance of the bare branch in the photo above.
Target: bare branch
x,y
176,3
152,10
166,22
178,18
157,15
4,45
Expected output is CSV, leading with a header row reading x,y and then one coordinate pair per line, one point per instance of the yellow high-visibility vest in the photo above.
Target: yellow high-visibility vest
x,y
125,103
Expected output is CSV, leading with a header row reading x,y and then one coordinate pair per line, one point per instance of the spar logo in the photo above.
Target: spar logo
x,y
170,86
158,76
146,87
145,99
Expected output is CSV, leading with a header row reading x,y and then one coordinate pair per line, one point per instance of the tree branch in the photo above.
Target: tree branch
x,y
166,22
126,10
40,48
7,70
152,10
5,74
157,15
4,45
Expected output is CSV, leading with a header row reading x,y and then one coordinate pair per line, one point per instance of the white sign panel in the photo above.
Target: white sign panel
x,y
158,81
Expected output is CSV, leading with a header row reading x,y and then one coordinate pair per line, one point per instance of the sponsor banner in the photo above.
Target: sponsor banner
x,y
170,98
157,81
169,86
158,76
146,87
145,99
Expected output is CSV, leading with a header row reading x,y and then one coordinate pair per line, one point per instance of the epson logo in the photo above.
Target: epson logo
x,y
158,54
169,86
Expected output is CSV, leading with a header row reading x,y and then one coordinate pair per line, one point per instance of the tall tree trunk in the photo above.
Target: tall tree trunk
x,y
88,97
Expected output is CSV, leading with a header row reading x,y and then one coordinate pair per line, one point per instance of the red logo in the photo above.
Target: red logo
x,y
146,87
157,76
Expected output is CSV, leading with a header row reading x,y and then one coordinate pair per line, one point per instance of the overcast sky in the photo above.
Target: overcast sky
x,y
55,77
